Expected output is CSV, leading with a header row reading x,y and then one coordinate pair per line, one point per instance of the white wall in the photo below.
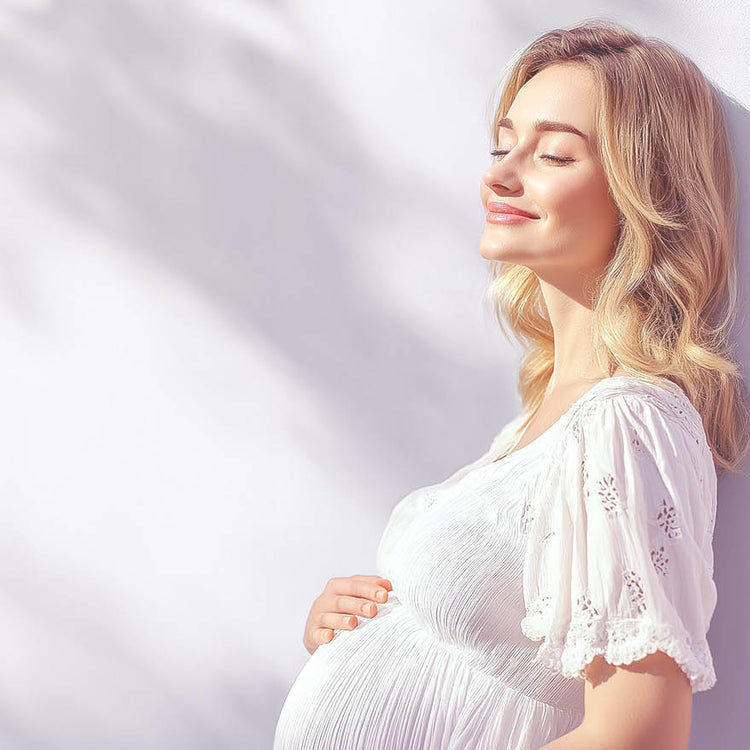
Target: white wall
x,y
240,315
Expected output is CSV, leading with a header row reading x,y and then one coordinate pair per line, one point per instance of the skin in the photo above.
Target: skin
x,y
572,240
646,704
342,600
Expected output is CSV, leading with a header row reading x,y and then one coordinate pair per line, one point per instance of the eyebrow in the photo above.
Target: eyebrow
x,y
560,127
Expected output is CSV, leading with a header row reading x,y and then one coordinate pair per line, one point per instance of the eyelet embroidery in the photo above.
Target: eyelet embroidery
x,y
667,520
677,407
609,494
626,632
539,605
585,477
634,584
527,517
585,611
660,561
637,444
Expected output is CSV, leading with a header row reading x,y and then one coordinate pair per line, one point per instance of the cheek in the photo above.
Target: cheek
x,y
579,201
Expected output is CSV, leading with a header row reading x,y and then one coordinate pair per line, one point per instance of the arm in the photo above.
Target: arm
x,y
645,705
578,739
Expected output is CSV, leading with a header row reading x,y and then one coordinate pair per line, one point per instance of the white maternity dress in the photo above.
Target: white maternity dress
x,y
594,538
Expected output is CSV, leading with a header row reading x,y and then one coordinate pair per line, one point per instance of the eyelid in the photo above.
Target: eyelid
x,y
551,157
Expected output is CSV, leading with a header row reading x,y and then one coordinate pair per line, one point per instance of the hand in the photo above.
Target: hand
x,y
342,598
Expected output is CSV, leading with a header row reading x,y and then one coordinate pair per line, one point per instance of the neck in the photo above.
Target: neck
x,y
571,315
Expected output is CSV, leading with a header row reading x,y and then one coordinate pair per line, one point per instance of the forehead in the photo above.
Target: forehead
x,y
563,92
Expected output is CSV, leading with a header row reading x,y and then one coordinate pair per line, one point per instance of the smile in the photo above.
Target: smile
x,y
497,217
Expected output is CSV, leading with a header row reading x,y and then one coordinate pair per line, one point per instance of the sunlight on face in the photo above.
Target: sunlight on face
x,y
554,175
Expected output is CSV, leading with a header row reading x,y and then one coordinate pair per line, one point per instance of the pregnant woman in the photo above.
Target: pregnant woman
x,y
557,592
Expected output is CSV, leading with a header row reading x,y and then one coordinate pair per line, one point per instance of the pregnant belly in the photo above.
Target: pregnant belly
x,y
380,685
389,684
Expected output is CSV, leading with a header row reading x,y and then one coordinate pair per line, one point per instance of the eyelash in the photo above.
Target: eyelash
x,y
556,159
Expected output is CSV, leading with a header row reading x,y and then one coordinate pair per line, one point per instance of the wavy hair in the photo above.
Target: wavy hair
x,y
667,299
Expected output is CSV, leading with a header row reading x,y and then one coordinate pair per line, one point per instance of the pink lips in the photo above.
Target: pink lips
x,y
496,207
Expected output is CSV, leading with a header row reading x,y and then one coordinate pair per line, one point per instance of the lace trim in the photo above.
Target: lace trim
x,y
620,641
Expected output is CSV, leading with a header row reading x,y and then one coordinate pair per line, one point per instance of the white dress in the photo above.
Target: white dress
x,y
595,538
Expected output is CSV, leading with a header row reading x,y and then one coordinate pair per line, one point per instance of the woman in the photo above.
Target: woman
x,y
588,523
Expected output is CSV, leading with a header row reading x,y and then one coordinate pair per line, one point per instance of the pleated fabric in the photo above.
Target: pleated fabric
x,y
595,538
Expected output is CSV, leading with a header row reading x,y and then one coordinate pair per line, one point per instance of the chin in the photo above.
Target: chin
x,y
495,252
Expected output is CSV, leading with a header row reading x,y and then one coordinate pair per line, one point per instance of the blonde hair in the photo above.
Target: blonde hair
x,y
667,299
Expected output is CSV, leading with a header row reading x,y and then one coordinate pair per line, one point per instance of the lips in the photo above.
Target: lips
x,y
503,208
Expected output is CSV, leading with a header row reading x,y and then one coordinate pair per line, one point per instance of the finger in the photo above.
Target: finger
x,y
364,587
376,579
337,621
380,581
322,635
354,605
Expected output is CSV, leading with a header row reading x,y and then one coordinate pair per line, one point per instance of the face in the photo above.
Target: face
x,y
576,217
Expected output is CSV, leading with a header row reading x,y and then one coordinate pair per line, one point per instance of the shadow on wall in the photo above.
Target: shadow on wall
x,y
174,133
181,136
722,705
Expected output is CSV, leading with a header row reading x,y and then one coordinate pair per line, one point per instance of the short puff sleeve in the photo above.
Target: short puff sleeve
x,y
619,560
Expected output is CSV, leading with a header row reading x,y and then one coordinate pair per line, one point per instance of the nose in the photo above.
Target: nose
x,y
502,177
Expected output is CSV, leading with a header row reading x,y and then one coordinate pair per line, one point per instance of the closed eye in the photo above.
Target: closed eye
x,y
549,157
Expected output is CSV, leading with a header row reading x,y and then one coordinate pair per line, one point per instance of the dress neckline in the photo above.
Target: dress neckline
x,y
507,454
